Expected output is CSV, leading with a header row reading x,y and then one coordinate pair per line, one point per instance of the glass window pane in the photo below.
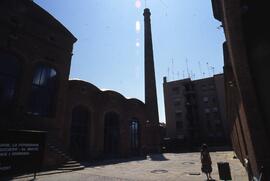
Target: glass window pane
x,y
8,65
43,91
8,77
134,134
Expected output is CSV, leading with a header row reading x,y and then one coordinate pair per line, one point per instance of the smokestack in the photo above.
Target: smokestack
x,y
150,86
149,72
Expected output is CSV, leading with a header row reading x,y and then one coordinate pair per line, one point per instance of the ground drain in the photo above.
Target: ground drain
x,y
194,173
159,171
188,163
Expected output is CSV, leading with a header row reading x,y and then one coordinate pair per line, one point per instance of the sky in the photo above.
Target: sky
x,y
109,52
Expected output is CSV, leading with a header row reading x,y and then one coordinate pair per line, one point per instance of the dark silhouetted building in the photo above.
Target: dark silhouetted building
x,y
82,122
246,73
195,112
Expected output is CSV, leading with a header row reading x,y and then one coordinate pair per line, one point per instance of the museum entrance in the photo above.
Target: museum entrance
x,y
79,133
111,134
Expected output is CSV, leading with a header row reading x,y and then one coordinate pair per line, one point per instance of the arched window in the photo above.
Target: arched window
x,y
79,132
111,134
43,91
134,134
9,70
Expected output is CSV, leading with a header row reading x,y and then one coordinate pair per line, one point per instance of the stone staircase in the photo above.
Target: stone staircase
x,y
71,165
67,163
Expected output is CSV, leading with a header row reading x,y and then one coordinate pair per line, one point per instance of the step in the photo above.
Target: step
x,y
71,161
72,168
71,165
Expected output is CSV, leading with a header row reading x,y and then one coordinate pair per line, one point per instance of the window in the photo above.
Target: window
x,y
214,100
209,125
9,70
204,87
134,134
216,115
207,113
215,109
207,110
205,99
178,116
179,125
219,134
177,103
43,91
211,86
79,132
176,90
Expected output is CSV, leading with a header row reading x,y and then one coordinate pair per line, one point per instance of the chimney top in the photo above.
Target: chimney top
x,y
146,12
164,79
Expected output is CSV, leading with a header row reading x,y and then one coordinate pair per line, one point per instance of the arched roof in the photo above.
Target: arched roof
x,y
36,13
137,101
46,17
77,83
81,83
115,94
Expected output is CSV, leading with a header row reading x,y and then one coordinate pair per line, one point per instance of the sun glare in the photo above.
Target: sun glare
x,y
138,4
138,26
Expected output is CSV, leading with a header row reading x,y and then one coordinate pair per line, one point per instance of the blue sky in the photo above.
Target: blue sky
x,y
109,52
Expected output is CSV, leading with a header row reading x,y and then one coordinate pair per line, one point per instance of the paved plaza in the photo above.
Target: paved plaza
x,y
161,167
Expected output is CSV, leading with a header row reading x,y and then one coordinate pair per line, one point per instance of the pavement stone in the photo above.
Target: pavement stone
x,y
158,167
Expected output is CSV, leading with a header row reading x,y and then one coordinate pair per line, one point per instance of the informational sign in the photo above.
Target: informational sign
x,y
21,151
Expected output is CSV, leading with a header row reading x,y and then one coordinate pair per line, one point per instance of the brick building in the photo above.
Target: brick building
x,y
81,120
195,111
246,52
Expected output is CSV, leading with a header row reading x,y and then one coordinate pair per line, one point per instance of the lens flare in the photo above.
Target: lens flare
x,y
138,26
138,4
137,44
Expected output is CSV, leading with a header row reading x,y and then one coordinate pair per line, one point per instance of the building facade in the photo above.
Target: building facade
x,y
246,52
81,121
195,111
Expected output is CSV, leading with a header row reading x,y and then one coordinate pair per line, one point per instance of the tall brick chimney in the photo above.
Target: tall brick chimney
x,y
150,80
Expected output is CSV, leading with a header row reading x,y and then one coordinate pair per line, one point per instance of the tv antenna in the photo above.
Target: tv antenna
x,y
168,73
187,68
172,70
208,68
213,69
200,67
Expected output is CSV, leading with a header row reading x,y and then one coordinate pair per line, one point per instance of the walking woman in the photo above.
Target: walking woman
x,y
206,161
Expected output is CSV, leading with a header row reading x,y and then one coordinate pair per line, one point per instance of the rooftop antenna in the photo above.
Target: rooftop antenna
x,y
208,69
187,68
213,68
164,4
145,3
183,74
200,68
168,73
178,75
172,70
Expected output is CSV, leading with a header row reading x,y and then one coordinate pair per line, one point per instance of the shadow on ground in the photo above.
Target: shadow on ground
x,y
94,163
31,177
100,163
158,157
104,162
